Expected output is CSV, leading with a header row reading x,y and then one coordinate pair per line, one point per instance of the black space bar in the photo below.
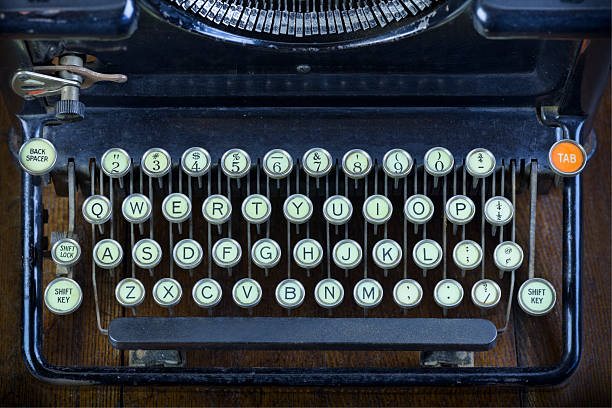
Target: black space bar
x,y
275,333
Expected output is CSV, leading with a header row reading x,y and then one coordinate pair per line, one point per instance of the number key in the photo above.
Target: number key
x,y
116,162
439,161
277,163
356,163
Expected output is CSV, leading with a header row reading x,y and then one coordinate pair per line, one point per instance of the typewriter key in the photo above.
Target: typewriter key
x,y
217,209
329,293
439,161
486,294
256,209
97,209
266,253
63,296
116,162
136,208
308,253
418,209
368,293
187,253
235,163
290,293
147,253
108,254
195,161
337,210
387,254
277,163
246,293
226,252
537,296
397,163
467,255
567,157
130,292
407,293
317,162
207,293
498,211
156,162
377,209
480,163
167,292
356,163
427,254
448,293
298,208
37,156
460,209
176,207
347,254
508,256
66,252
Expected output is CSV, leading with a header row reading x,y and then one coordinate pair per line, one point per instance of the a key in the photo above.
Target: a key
x,y
427,254
498,211
235,163
448,293
387,254
217,209
136,208
247,293
356,163
66,252
116,162
508,256
460,209
467,255
147,253
108,254
337,210
297,208
537,296
329,293
377,209
308,253
130,292
187,253
207,293
418,209
176,208
347,254
97,209
226,252
167,292
407,293
317,162
486,294
277,164
256,209
195,161
266,253
397,163
290,293
156,162
368,293
37,156
63,296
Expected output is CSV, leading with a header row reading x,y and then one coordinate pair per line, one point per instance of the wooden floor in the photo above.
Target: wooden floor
x,y
590,386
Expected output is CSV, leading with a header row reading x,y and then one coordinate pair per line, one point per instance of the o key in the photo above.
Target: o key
x,y
567,158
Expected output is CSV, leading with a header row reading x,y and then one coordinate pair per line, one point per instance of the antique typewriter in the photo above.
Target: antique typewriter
x,y
302,192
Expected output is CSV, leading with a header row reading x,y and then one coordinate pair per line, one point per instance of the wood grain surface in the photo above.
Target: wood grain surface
x,y
590,386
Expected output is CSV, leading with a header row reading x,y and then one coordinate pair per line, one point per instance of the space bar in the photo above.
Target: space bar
x,y
275,333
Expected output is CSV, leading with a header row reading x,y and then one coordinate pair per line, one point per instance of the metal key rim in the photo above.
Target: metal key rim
x,y
252,220
217,221
241,173
97,221
402,304
190,172
396,175
359,301
495,222
272,174
64,263
116,262
162,172
486,152
63,312
329,305
110,151
136,282
286,305
378,262
319,173
50,168
139,220
160,301
244,305
157,259
191,265
483,305
298,220
200,283
352,174
173,219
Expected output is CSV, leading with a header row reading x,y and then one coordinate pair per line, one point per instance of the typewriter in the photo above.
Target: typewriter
x,y
302,192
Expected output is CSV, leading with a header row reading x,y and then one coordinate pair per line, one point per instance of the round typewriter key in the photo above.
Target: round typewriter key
x,y
108,254
308,253
387,254
317,162
329,293
156,162
448,293
277,163
407,293
397,163
37,156
460,209
337,210
256,209
486,294
167,292
217,209
66,252
247,293
368,293
195,161
508,256
207,293
136,208
498,211
63,296
236,163
439,161
537,296
176,207
97,209
356,163
377,209
567,157
427,254
347,254
480,163
418,209
298,208
147,253
226,252
130,292
116,162
290,293
187,253
467,255
266,253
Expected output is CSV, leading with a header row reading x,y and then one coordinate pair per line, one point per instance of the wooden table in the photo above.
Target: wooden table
x,y
590,386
